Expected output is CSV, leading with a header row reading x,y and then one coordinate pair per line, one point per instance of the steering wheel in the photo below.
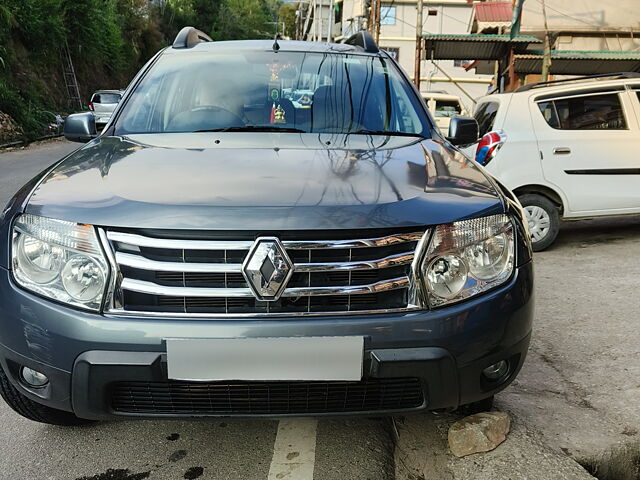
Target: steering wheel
x,y
205,117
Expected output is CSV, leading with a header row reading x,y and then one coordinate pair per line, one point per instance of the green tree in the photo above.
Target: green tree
x,y
245,19
287,15
108,40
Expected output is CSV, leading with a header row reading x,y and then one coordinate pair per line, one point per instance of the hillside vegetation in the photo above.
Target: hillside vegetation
x,y
108,40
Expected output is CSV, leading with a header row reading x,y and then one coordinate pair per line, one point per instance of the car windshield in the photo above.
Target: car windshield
x,y
106,98
258,90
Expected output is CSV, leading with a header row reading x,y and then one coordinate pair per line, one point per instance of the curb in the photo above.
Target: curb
x,y
20,143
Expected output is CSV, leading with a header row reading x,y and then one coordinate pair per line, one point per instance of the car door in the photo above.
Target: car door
x,y
589,144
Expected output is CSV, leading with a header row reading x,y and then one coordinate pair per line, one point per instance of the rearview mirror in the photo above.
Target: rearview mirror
x,y
80,127
462,130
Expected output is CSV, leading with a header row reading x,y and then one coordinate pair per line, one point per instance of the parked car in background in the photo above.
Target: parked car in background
x,y
568,149
442,107
217,251
102,104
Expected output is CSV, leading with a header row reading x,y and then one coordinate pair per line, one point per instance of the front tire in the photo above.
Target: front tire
x,y
34,411
543,217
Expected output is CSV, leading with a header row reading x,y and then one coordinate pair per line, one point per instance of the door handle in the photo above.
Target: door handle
x,y
561,151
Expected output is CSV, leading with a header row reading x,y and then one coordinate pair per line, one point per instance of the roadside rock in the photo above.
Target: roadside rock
x,y
9,130
422,453
477,433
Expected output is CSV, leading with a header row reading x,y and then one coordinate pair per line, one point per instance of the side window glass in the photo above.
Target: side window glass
x,y
595,112
548,111
486,115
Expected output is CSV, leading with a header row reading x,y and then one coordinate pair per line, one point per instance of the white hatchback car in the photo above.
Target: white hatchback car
x,y
102,104
567,149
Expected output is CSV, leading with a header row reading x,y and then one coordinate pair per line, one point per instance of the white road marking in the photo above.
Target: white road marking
x,y
294,451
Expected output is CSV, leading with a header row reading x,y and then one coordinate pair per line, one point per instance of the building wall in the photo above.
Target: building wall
x,y
586,24
582,16
319,27
448,16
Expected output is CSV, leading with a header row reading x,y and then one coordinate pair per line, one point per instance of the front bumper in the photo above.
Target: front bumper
x,y
85,355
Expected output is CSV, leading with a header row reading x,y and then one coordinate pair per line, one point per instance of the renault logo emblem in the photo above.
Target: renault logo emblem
x,y
267,268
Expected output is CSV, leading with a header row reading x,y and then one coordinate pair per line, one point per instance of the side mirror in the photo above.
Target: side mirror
x,y
463,130
80,127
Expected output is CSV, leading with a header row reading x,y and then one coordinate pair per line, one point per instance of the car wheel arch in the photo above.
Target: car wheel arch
x,y
543,190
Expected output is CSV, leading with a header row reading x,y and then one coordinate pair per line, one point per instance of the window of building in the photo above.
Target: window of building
x,y
462,63
387,15
486,115
591,112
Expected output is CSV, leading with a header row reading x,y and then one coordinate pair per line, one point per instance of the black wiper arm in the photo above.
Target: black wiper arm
x,y
385,133
254,128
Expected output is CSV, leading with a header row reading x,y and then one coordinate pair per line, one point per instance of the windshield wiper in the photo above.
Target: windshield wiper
x,y
254,128
385,133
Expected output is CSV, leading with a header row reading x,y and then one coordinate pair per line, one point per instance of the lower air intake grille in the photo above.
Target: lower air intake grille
x,y
266,398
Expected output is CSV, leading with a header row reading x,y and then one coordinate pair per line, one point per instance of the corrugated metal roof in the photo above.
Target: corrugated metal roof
x,y
493,12
480,37
473,46
572,62
591,54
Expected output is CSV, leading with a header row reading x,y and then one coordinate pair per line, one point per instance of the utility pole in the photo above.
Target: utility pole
x,y
307,25
330,28
546,57
378,13
416,74
314,38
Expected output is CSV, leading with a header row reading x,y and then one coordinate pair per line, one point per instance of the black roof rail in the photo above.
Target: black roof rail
x,y
190,36
363,39
612,76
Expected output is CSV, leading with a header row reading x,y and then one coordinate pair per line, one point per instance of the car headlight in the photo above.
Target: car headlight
x,y
468,257
60,260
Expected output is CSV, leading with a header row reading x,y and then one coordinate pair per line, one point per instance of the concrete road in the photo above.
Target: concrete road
x,y
577,395
576,401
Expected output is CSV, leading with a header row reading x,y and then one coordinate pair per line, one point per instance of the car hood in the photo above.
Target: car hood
x,y
280,182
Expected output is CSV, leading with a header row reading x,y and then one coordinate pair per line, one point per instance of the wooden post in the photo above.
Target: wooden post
x,y
418,59
546,57
378,20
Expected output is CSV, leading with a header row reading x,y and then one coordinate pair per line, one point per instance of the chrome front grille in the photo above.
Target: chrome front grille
x,y
205,276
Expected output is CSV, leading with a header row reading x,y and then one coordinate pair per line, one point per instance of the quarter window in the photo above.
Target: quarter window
x,y
486,115
593,112
548,110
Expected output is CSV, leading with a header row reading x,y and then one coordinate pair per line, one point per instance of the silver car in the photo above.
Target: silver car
x,y
102,104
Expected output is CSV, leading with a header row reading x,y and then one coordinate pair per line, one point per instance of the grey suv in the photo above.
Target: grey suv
x,y
223,250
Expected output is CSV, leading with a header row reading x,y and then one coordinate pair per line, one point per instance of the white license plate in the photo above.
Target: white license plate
x,y
290,358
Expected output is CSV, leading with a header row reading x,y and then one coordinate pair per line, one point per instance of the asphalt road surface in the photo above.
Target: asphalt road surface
x,y
576,396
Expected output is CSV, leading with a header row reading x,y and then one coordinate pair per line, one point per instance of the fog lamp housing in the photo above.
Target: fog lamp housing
x,y
33,378
496,372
